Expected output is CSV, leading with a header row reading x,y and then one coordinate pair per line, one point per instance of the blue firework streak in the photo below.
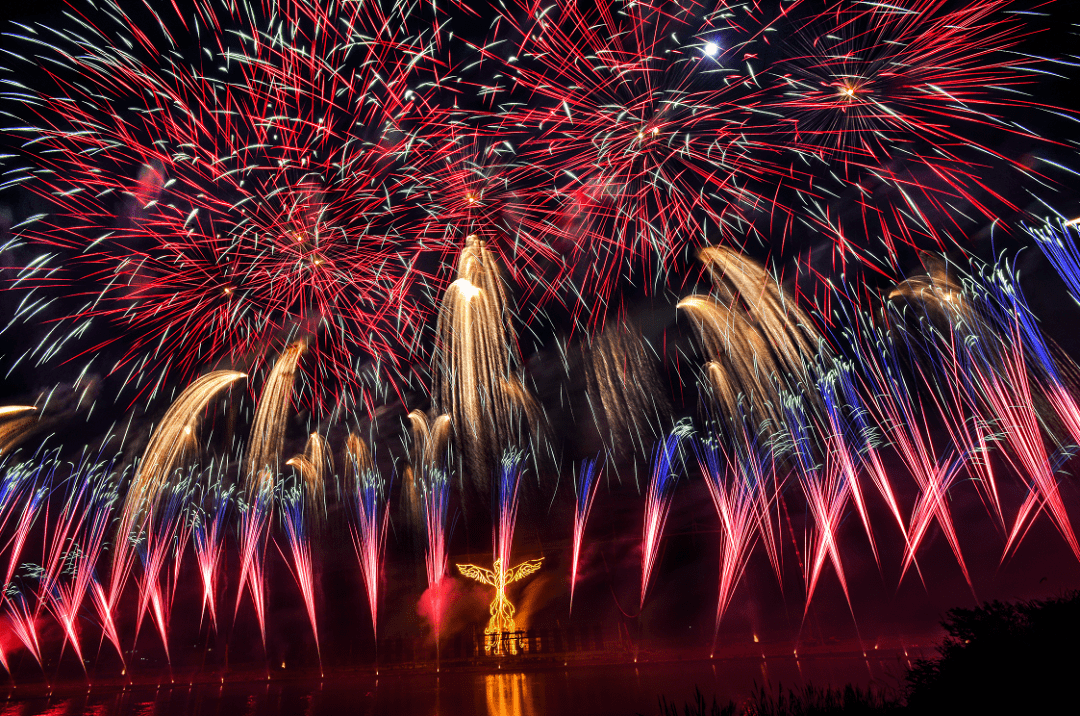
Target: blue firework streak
x,y
1009,308
1058,243
585,484
658,501
506,508
294,518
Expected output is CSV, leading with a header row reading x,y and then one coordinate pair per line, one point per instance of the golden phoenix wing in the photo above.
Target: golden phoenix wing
x,y
523,570
484,576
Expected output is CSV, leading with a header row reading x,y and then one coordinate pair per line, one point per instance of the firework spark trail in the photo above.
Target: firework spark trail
x,y
505,510
208,542
756,339
876,74
827,491
585,484
105,618
1059,245
436,500
1056,373
161,539
1011,306
23,625
897,410
499,633
648,136
313,465
1009,394
476,385
986,349
23,621
429,486
74,544
431,480
967,423
865,83
254,527
658,502
465,167
624,391
840,444
268,428
18,488
294,517
13,490
738,488
953,332
15,424
372,514
868,442
172,439
91,545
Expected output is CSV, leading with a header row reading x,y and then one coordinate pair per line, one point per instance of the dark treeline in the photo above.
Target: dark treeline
x,y
998,658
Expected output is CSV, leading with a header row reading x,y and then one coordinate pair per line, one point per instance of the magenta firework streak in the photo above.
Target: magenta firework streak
x,y
658,502
585,485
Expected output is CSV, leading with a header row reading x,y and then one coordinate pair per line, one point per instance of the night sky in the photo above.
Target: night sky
x,y
594,235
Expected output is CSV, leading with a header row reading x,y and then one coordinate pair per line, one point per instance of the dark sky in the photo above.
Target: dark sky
x,y
684,592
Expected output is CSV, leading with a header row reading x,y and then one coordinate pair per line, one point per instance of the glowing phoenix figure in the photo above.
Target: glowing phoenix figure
x,y
502,611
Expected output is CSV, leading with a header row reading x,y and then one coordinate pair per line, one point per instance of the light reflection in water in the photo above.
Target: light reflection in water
x,y
508,695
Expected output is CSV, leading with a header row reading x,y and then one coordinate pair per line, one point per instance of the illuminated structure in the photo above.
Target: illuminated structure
x,y
502,611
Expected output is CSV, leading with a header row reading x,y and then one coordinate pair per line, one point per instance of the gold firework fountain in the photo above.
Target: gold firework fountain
x,y
172,438
15,424
477,382
268,430
757,340
312,465
501,609
489,408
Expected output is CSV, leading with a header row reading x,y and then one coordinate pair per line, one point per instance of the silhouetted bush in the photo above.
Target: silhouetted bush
x,y
1013,658
808,701
697,707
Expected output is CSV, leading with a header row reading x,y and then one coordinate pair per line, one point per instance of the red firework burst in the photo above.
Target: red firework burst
x,y
467,179
222,189
907,102
653,135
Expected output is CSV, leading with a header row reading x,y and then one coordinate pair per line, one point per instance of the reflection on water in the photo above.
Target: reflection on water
x,y
508,695
582,689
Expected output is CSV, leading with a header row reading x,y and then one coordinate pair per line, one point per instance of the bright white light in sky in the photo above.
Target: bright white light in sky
x,y
711,48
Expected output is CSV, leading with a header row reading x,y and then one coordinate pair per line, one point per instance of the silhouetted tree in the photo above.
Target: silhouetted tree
x,y
1015,658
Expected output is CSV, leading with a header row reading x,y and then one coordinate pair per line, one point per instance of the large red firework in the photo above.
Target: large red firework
x,y
908,104
655,140
466,179
221,186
